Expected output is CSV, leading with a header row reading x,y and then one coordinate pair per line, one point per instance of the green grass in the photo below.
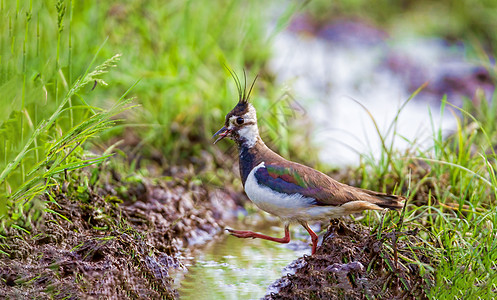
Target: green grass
x,y
45,118
173,54
452,191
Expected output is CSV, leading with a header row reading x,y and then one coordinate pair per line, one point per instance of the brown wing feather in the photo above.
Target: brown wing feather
x,y
332,192
327,191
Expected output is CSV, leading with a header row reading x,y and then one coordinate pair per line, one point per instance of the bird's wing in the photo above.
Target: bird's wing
x,y
291,179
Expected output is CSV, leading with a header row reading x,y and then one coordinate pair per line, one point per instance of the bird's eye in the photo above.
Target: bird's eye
x,y
239,121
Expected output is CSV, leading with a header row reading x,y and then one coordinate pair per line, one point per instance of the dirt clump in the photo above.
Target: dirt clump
x,y
356,263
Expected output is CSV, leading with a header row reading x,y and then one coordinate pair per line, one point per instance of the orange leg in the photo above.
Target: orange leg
x,y
314,236
250,234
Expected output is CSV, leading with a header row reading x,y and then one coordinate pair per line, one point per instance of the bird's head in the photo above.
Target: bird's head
x,y
241,122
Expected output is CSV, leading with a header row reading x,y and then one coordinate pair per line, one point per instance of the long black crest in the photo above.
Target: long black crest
x,y
243,96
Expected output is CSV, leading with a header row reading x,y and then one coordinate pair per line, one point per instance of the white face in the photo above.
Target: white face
x,y
247,131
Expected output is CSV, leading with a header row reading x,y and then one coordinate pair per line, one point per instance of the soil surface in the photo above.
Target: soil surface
x,y
119,241
356,263
93,245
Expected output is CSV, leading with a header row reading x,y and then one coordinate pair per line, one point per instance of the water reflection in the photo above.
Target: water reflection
x,y
232,268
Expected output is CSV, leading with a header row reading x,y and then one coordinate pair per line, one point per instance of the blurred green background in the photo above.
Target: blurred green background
x,y
174,55
173,58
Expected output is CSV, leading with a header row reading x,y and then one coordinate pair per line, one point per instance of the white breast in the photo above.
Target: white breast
x,y
280,204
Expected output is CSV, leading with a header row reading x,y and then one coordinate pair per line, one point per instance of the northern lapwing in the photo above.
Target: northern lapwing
x,y
293,192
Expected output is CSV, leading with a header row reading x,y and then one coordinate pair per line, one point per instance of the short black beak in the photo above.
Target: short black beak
x,y
223,132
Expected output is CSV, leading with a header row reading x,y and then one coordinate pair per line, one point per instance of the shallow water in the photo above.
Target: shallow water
x,y
233,268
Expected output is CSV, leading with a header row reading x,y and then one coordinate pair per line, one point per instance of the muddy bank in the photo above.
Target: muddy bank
x,y
117,241
357,263
120,238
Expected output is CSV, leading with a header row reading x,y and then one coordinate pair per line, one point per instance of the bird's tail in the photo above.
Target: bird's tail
x,y
387,200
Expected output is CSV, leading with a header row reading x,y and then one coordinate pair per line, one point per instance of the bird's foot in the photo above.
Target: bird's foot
x,y
244,234
250,234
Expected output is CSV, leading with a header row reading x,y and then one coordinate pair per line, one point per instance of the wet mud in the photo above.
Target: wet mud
x,y
120,240
115,242
357,263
